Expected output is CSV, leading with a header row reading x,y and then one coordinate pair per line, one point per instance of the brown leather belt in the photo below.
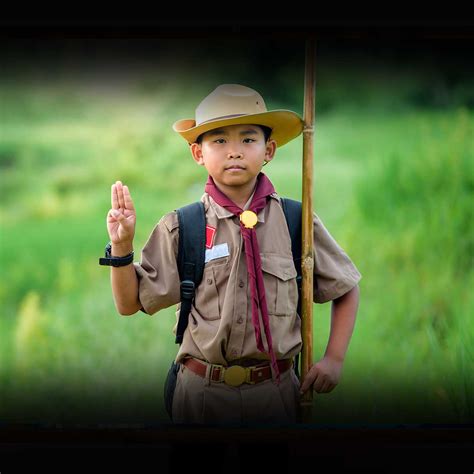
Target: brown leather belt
x,y
235,375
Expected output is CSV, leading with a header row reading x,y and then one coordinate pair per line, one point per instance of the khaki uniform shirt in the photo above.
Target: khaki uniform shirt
x,y
220,328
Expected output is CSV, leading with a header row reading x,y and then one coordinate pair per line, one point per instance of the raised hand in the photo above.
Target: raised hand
x,y
121,218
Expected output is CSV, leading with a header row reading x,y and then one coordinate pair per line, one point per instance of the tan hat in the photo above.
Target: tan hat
x,y
233,104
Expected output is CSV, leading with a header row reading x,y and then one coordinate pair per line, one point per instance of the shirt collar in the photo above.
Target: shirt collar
x,y
223,213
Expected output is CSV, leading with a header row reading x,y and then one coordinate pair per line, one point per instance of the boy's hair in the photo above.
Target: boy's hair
x,y
267,131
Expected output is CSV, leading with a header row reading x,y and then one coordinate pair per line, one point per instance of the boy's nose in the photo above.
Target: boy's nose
x,y
235,154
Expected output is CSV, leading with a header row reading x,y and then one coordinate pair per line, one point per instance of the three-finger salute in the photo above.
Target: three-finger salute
x,y
121,218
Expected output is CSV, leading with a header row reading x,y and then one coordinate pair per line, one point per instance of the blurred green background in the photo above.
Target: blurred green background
x,y
394,184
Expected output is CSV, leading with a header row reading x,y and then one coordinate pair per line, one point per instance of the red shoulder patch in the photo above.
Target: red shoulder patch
x,y
210,234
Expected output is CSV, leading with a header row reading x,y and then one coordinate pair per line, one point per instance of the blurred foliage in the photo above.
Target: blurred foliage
x,y
394,184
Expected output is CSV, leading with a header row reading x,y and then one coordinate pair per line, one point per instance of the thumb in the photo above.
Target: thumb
x,y
305,385
120,218
117,215
309,380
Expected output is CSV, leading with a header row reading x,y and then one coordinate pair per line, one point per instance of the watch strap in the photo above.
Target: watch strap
x,y
115,261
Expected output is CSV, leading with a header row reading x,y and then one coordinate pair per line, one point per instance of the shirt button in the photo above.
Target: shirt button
x,y
241,284
240,320
209,281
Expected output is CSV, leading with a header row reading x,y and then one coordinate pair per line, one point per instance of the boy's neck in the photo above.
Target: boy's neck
x,y
238,194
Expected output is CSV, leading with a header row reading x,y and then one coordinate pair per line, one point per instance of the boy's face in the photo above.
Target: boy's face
x,y
234,155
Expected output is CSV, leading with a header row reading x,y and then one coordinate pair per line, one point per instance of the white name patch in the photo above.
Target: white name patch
x,y
218,251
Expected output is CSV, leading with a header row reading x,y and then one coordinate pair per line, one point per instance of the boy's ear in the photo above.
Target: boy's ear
x,y
270,149
196,151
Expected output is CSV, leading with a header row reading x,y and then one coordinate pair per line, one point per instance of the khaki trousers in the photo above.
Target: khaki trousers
x,y
199,400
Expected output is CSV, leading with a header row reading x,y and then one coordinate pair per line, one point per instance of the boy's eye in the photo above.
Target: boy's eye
x,y
248,140
219,140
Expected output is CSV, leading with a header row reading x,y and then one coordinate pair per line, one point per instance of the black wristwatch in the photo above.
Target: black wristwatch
x,y
115,261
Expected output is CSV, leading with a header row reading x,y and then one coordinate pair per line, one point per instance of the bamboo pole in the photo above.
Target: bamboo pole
x,y
307,263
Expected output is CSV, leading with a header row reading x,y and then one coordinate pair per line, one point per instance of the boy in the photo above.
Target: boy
x,y
243,319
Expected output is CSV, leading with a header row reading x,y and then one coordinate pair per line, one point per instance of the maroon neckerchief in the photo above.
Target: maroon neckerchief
x,y
252,253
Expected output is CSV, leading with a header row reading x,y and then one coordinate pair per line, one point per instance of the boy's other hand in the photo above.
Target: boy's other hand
x,y
121,218
323,376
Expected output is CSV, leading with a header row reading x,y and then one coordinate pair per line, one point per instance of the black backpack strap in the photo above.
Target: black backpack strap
x,y
191,255
292,210
293,213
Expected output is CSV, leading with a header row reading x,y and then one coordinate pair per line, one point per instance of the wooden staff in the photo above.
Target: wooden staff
x,y
307,263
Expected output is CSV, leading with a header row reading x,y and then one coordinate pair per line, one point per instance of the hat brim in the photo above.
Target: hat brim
x,y
285,124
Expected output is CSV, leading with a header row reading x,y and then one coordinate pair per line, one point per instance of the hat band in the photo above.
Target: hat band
x,y
220,118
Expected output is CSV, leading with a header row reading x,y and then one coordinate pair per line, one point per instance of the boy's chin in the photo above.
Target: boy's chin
x,y
236,180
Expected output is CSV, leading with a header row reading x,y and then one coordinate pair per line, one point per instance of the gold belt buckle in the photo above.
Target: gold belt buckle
x,y
235,375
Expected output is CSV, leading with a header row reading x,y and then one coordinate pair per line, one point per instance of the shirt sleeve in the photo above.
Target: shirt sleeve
x,y
334,272
157,272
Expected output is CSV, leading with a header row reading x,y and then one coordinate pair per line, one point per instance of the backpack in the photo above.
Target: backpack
x,y
190,261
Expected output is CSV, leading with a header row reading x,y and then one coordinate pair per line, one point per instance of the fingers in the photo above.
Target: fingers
x,y
318,380
121,198
320,385
327,387
309,380
323,387
114,197
128,199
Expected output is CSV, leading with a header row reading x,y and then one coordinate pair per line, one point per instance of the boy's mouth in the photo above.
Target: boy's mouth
x,y
234,167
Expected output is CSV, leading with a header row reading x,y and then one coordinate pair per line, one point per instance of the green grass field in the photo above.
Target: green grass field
x,y
394,186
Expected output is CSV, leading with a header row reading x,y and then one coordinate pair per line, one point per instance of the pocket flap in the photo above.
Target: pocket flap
x,y
281,267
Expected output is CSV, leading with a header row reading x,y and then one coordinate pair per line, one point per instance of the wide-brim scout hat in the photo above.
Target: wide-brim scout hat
x,y
233,104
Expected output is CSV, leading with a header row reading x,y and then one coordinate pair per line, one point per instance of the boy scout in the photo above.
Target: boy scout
x,y
244,331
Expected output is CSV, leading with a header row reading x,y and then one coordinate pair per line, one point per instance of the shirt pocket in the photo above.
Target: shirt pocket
x,y
213,284
279,276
